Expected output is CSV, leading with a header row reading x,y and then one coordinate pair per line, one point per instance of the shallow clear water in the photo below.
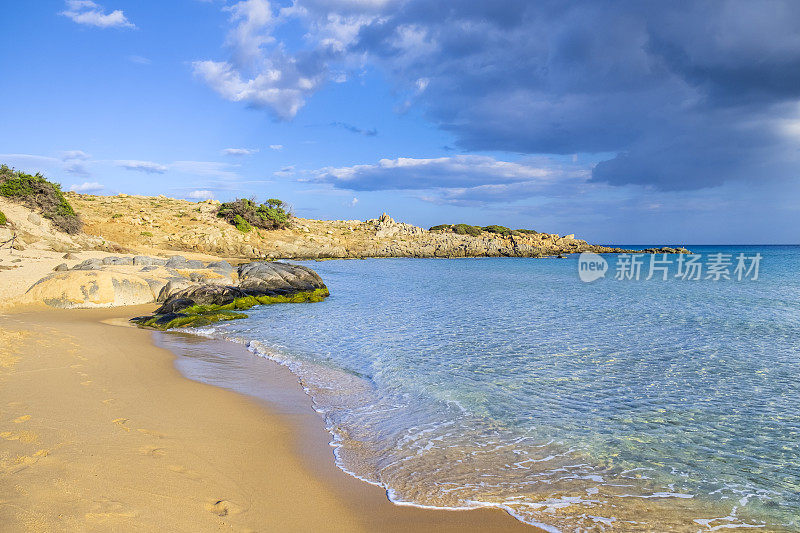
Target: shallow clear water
x,y
613,405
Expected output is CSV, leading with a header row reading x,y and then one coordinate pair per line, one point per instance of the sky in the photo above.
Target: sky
x,y
624,122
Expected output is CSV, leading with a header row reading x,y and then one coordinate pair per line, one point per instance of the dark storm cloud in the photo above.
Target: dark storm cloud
x,y
676,95
688,94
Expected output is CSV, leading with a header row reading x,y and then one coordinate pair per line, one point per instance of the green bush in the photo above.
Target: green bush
x,y
241,224
40,195
440,227
3,219
501,230
245,214
466,229
528,231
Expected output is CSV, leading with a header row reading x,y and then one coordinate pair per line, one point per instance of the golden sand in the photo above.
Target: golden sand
x,y
100,432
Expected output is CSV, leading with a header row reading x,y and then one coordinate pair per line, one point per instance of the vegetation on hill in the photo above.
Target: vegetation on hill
x,y
458,229
246,214
466,229
475,231
494,228
35,192
3,219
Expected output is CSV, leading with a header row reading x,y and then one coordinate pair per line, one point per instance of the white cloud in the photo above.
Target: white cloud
x,y
75,167
140,60
285,171
142,166
239,151
440,172
74,162
29,159
353,202
87,187
260,72
271,88
201,195
276,147
91,14
255,21
460,180
74,154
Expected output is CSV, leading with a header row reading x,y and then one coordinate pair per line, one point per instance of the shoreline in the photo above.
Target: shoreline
x,y
101,430
232,366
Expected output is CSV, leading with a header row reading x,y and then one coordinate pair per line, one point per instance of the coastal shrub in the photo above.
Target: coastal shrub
x,y
241,224
116,215
528,231
146,234
501,230
440,227
244,213
466,229
3,219
35,192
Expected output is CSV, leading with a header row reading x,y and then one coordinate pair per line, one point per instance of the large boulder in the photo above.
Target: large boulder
x,y
89,264
144,260
265,278
201,303
222,266
118,261
201,294
172,287
90,288
176,261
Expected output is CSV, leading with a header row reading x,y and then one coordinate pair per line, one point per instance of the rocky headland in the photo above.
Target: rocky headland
x,y
66,264
154,225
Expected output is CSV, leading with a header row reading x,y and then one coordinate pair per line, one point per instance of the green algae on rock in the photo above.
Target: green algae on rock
x,y
203,315
260,283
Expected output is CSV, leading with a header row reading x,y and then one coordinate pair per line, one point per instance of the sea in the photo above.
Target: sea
x,y
649,394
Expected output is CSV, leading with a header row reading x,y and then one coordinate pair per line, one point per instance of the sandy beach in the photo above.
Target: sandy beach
x,y
100,432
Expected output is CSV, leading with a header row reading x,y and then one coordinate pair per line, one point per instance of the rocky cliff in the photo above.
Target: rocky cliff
x,y
155,224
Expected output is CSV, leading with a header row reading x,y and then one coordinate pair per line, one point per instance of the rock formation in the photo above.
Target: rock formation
x,y
159,223
184,286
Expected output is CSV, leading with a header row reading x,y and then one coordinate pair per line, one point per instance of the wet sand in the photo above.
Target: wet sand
x,y
100,432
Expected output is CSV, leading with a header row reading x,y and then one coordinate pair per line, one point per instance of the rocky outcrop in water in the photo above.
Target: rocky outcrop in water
x,y
262,283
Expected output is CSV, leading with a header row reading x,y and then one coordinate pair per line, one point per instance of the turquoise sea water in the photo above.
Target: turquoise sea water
x,y
613,405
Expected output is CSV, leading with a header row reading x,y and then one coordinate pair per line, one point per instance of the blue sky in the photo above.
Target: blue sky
x,y
622,122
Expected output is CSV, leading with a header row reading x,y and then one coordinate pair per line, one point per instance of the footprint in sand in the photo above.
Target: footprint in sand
x,y
152,451
21,462
22,436
191,474
121,423
21,419
105,511
152,433
222,508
